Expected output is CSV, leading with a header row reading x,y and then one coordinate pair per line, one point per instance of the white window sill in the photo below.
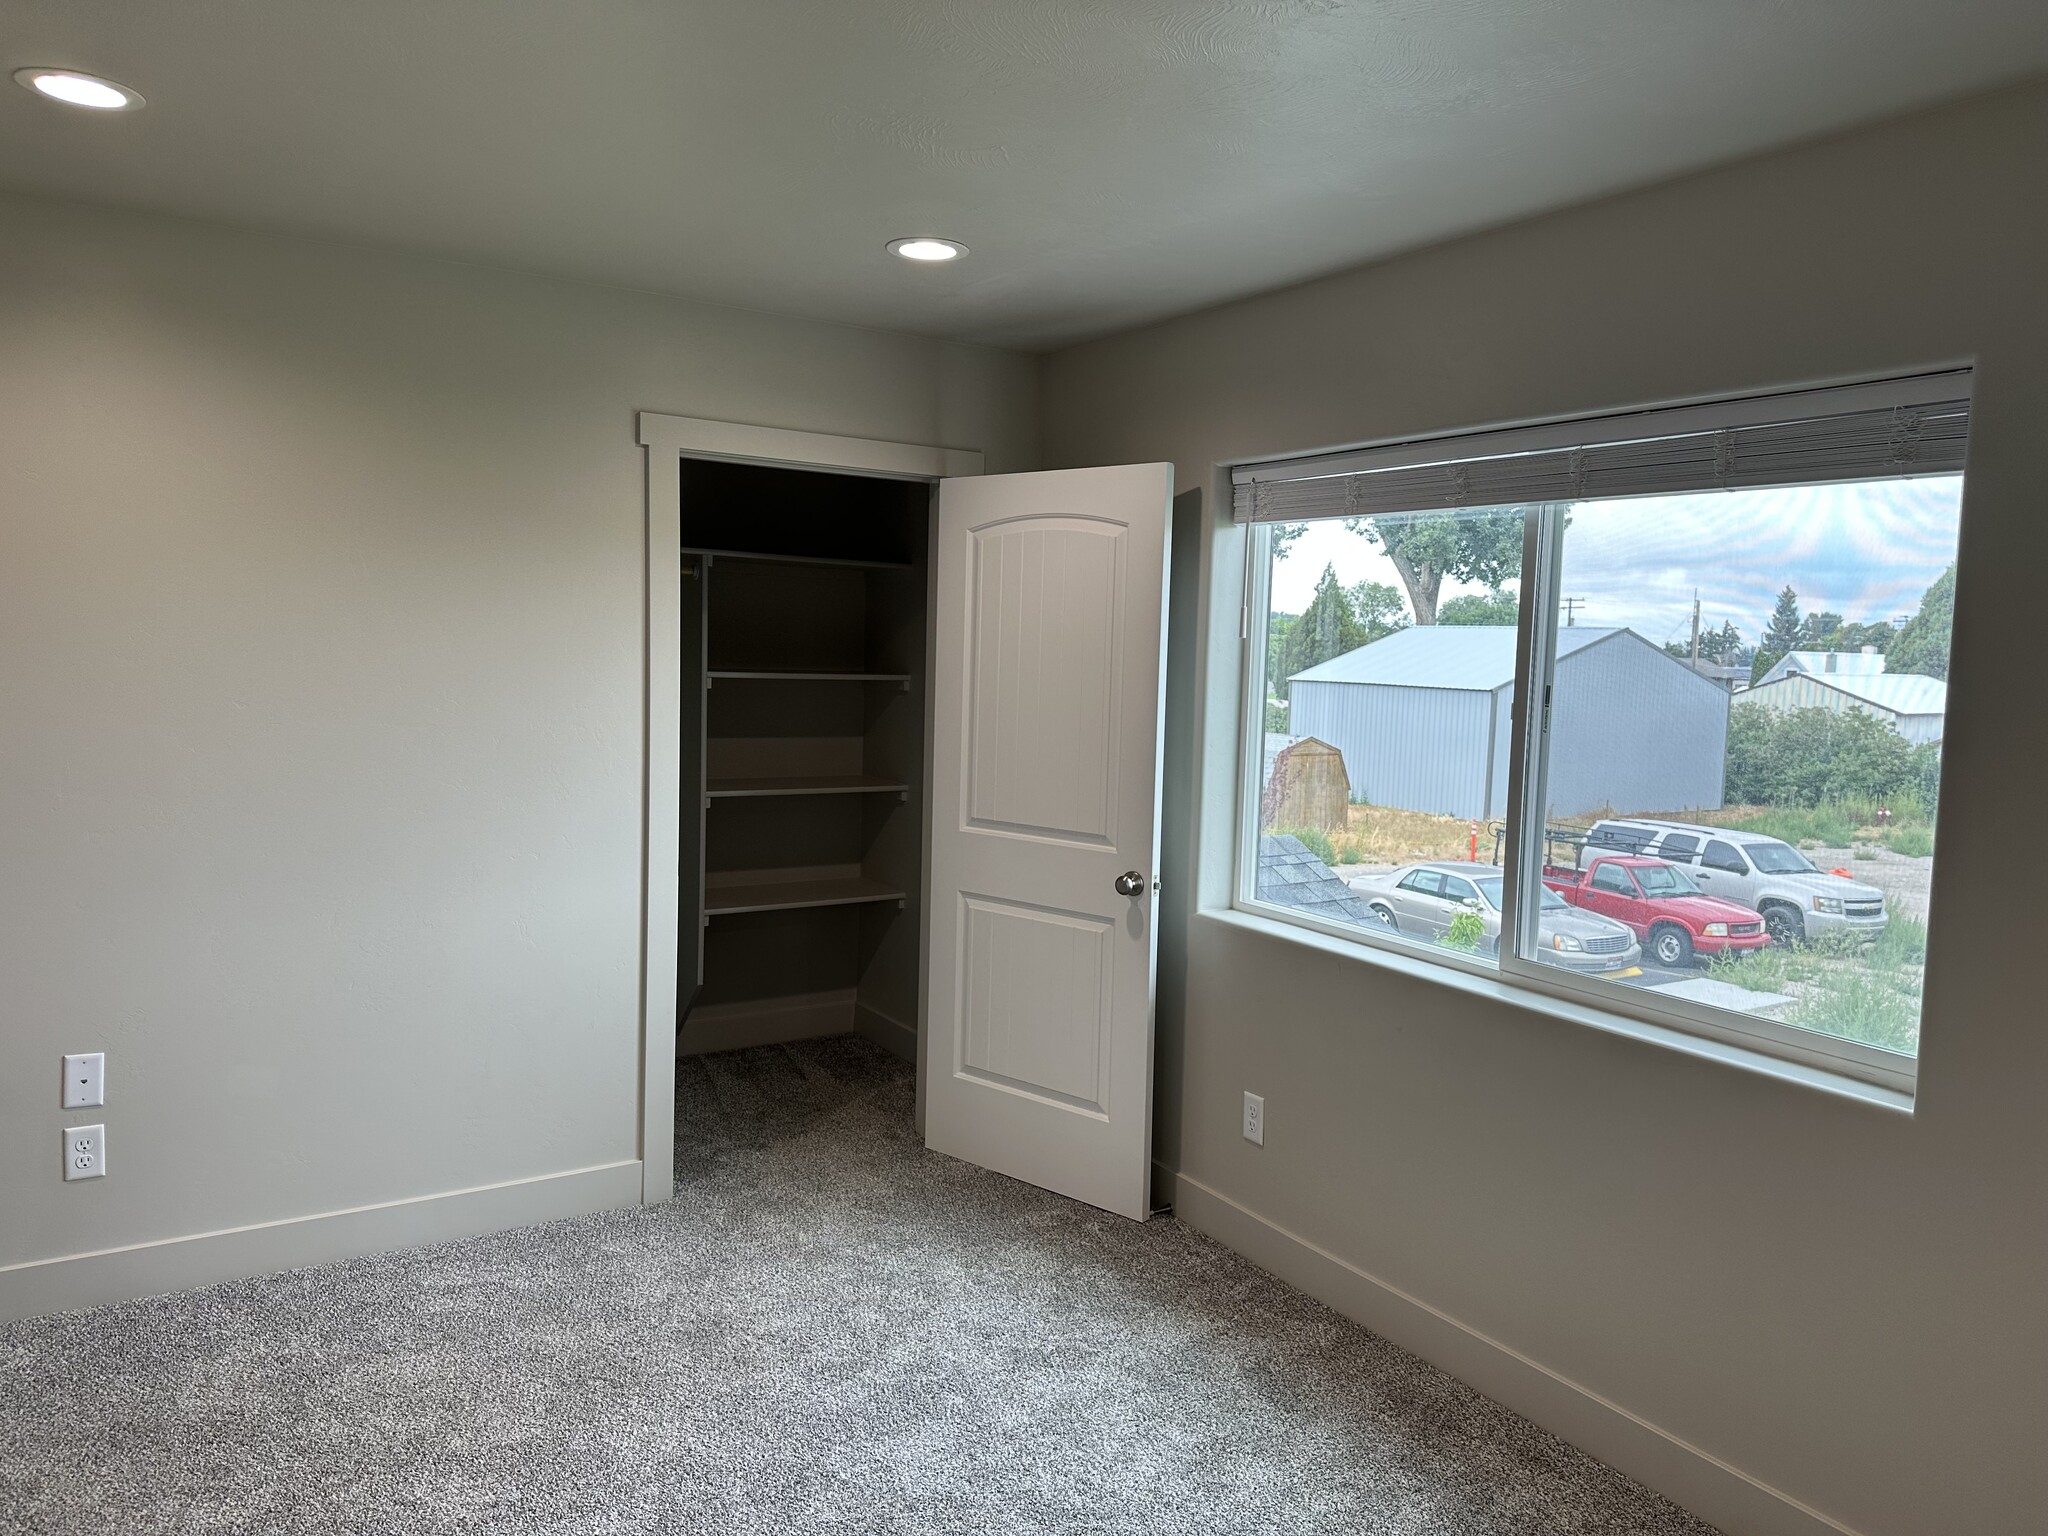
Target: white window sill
x,y
1499,990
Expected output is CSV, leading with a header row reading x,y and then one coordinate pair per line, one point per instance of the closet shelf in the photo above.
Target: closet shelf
x,y
747,894
771,559
900,678
809,784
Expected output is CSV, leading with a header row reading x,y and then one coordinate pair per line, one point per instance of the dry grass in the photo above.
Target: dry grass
x,y
1379,834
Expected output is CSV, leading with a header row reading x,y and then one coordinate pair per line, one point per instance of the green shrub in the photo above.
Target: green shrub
x,y
1812,757
1467,931
1903,942
1771,969
1828,825
1314,839
1857,1004
1912,842
1276,717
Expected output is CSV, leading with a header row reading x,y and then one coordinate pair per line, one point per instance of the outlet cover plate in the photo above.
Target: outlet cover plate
x,y
85,1080
85,1152
1255,1119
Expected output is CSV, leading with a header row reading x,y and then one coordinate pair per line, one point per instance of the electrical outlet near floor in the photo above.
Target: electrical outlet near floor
x,y
85,1152
85,1080
1255,1119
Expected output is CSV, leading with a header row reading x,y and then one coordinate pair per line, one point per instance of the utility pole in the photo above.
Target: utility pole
x,y
1572,605
1695,629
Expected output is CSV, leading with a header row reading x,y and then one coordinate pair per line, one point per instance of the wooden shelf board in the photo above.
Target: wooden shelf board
x,y
770,559
811,677
807,784
722,898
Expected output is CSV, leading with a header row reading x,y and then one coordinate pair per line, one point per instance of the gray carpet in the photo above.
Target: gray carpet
x,y
828,1330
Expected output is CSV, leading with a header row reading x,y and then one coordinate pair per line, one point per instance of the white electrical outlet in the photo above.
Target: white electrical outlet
x,y
1255,1119
85,1152
85,1080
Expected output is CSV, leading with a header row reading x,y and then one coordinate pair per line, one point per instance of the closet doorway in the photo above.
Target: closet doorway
x,y
903,765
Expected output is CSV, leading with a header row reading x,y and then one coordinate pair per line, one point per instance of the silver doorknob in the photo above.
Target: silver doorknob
x,y
1129,883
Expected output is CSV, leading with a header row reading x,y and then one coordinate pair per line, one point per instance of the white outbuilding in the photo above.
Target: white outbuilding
x,y
1914,706
1425,721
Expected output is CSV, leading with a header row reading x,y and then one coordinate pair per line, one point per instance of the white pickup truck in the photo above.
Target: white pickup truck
x,y
1765,874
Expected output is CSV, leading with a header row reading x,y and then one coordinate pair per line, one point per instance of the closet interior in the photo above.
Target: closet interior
x,y
804,638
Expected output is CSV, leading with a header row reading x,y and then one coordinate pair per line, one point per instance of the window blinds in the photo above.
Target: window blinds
x,y
1882,431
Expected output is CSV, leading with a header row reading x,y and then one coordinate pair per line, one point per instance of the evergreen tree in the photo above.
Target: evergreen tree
x,y
1781,635
1327,627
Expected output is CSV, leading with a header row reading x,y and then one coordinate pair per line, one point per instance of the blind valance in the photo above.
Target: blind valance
x,y
1903,427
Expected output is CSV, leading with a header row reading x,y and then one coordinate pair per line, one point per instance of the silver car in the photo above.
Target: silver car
x,y
1425,899
1764,874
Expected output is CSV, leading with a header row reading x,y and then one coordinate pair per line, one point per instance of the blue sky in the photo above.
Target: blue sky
x,y
1866,551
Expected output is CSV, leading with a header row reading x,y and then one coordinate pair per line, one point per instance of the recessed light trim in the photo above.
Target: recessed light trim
x,y
79,90
927,248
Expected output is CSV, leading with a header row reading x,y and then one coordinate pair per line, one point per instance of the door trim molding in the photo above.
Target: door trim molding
x,y
697,438
667,440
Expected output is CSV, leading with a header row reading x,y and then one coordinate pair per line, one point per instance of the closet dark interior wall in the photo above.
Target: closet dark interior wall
x,y
805,637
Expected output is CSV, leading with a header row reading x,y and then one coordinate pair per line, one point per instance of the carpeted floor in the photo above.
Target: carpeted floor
x,y
828,1330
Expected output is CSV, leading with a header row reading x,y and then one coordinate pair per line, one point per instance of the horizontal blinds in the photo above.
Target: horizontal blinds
x,y
1866,432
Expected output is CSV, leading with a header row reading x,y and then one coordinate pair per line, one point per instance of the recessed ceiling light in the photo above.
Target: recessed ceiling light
x,y
69,86
927,248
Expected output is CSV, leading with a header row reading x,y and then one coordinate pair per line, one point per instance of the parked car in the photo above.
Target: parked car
x,y
1765,874
1425,899
1659,903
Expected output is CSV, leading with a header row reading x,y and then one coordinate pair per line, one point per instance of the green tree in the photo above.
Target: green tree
x,y
1494,607
1277,627
1377,607
1922,645
1723,647
1877,635
1427,547
1810,757
1327,627
1781,635
1817,631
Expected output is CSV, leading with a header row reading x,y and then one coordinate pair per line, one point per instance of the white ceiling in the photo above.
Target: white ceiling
x,y
1109,161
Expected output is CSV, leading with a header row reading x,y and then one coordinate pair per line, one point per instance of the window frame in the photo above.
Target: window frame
x,y
1522,853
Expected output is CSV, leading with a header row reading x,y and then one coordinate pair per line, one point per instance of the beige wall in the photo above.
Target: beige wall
x,y
320,713
1843,1302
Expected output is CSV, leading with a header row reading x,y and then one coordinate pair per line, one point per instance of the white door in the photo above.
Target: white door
x,y
1045,827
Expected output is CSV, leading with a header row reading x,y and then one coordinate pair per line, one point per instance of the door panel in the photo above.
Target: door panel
x,y
1045,691
1047,682
1035,1004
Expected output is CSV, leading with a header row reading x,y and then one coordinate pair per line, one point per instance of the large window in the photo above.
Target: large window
x,y
1645,711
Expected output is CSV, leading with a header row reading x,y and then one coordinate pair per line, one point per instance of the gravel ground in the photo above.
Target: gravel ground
x,y
1904,881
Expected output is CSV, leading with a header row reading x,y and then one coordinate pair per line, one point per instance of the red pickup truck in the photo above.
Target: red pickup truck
x,y
1660,903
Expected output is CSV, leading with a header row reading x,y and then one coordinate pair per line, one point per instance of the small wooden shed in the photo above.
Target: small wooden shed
x,y
1307,787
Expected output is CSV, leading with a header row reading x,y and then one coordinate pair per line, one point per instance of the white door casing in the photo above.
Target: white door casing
x,y
1047,689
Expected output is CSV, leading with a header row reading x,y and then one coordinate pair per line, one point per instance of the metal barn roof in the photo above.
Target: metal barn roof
x,y
1898,693
1477,658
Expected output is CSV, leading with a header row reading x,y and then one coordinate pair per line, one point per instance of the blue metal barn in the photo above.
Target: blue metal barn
x,y
1424,719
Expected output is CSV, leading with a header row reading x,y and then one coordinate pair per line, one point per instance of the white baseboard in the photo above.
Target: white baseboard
x,y
770,1021
1719,1493
203,1258
891,1034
